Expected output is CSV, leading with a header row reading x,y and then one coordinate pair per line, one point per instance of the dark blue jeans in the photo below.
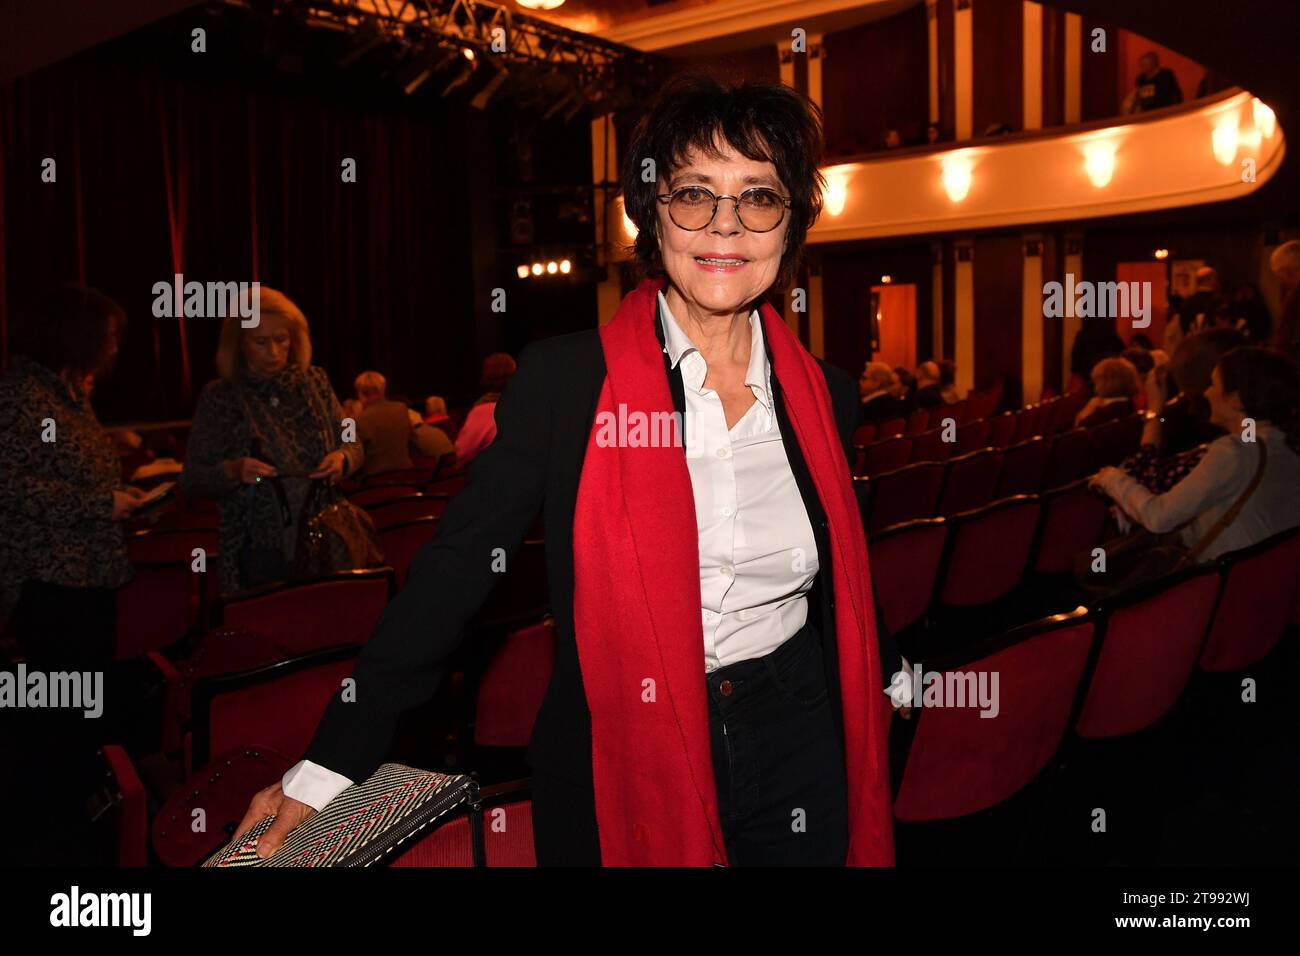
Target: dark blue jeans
x,y
777,761
778,767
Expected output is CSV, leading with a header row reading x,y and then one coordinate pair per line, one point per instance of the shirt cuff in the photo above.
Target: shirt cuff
x,y
312,784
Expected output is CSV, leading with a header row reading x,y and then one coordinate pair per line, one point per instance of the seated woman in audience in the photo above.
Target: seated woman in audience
x,y
1253,395
1114,386
1174,440
271,413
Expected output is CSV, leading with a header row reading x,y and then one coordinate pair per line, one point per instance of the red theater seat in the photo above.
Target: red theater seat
x,y
340,608
511,691
1151,641
1069,459
220,792
402,541
961,763
449,844
1073,521
891,429
930,446
904,495
905,562
1114,441
1259,585
917,422
887,455
988,551
1002,428
972,437
1023,468
131,805
277,705
971,481
864,434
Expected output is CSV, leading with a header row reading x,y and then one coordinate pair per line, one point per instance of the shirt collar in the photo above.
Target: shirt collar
x,y
677,345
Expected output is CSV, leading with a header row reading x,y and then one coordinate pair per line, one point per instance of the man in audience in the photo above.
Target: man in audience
x,y
436,416
480,426
1200,310
948,381
929,390
389,431
1156,86
879,404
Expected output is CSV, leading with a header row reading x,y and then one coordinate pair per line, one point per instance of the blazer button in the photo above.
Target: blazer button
x,y
725,688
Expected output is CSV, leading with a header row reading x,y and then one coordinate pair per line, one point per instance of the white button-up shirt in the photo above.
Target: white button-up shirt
x,y
758,556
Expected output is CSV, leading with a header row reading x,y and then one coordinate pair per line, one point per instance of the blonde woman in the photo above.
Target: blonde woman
x,y
1115,385
270,414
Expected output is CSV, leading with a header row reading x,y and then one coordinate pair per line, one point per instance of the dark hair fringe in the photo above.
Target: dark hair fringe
x,y
761,121
69,327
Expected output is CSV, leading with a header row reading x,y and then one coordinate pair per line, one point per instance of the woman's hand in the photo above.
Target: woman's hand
x,y
331,467
125,501
287,811
1098,481
248,470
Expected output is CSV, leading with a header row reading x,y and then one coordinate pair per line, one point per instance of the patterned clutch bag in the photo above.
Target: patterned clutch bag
x,y
366,823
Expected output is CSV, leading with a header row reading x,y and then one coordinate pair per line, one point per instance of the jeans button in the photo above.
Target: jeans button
x,y
725,688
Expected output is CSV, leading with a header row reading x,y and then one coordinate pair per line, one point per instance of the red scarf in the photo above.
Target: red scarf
x,y
637,611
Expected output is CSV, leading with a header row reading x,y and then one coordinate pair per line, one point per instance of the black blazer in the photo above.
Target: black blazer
x,y
544,420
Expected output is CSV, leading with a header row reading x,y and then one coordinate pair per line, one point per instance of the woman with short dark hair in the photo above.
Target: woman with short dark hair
x,y
717,671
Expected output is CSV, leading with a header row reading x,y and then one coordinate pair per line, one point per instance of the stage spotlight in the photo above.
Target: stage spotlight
x,y
459,80
565,266
1162,253
537,268
521,271
552,267
480,100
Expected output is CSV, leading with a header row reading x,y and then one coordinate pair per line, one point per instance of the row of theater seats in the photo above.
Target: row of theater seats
x,y
941,444
944,487
240,689
168,600
1081,690
1048,417
240,708
1107,671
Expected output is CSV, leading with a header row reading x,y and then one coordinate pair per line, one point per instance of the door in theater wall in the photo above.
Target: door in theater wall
x,y
1157,275
896,324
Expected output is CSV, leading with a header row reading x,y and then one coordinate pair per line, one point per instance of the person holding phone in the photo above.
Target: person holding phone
x,y
63,554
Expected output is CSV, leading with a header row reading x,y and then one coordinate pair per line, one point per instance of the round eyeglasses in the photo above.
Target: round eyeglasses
x,y
693,207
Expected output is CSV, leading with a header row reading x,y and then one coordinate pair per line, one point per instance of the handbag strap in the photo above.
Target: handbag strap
x,y
1230,515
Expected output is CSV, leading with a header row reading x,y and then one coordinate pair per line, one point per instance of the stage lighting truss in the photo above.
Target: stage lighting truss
x,y
570,69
